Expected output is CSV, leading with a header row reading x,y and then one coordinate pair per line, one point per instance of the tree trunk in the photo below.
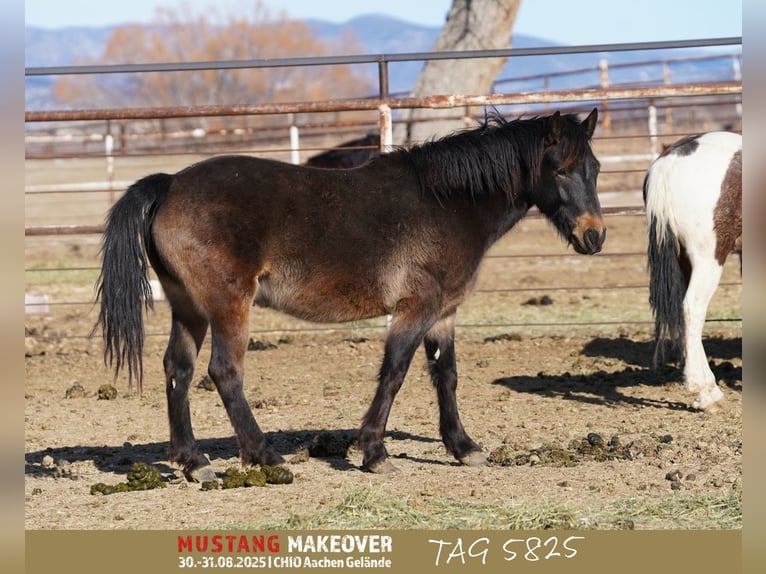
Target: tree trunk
x,y
470,25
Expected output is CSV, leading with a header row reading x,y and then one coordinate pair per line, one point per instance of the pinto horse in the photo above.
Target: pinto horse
x,y
403,235
693,199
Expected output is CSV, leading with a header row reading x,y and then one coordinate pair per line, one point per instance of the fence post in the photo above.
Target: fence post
x,y
386,128
653,129
546,89
109,154
383,78
606,117
295,149
123,139
468,121
737,67
666,75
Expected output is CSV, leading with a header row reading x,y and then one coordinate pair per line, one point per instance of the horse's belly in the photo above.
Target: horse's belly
x,y
319,299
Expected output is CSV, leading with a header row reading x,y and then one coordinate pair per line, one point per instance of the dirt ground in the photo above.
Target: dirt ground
x,y
532,396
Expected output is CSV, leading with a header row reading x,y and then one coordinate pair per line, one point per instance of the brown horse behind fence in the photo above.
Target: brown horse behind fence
x,y
402,235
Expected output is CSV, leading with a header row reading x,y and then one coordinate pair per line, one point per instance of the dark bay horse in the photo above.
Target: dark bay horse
x,y
693,198
402,235
349,154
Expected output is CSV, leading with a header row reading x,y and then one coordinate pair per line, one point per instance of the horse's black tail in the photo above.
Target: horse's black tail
x,y
667,285
123,285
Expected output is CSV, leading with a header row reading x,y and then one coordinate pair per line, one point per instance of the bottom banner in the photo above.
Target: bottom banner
x,y
392,551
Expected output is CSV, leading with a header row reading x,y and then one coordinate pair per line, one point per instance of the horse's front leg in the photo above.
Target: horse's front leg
x,y
442,365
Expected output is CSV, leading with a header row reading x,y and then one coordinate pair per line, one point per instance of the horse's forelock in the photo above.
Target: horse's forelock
x,y
575,146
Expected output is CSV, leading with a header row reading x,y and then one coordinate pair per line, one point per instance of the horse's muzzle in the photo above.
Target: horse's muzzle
x,y
588,236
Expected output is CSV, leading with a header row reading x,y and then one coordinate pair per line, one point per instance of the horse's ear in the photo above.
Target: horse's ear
x,y
589,123
553,135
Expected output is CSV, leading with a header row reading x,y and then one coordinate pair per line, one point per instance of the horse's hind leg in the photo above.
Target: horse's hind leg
x,y
186,336
706,273
439,344
229,331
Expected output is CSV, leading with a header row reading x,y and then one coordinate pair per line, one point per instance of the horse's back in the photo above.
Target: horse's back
x,y
724,141
685,183
302,235
694,167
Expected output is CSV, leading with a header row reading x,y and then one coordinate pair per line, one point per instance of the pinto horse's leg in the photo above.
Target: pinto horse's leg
x,y
439,344
406,332
186,337
229,330
706,273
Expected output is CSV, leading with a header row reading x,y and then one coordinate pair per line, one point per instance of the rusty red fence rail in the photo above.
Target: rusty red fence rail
x,y
361,104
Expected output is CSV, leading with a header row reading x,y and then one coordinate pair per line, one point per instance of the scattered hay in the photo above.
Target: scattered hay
x,y
685,511
364,508
370,508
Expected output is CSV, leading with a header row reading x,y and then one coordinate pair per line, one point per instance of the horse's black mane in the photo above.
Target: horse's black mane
x,y
498,156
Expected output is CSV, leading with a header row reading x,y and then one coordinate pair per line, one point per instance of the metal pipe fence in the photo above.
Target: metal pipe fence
x,y
630,151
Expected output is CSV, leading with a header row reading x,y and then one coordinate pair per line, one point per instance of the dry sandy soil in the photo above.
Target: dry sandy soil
x,y
525,391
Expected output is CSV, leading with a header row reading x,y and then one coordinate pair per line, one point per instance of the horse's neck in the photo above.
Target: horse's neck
x,y
496,215
510,217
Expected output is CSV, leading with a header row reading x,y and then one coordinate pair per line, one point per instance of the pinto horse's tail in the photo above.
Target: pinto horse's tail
x,y
667,284
123,285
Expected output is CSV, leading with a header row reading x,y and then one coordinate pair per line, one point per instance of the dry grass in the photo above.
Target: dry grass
x,y
370,509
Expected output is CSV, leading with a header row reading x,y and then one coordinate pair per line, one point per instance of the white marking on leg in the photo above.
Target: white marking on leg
x,y
697,374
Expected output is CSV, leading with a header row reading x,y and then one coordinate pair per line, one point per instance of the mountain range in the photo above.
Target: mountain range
x,y
378,34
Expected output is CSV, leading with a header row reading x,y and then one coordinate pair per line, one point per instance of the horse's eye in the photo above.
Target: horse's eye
x,y
561,171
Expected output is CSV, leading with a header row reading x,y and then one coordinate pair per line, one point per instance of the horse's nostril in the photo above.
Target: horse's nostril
x,y
592,238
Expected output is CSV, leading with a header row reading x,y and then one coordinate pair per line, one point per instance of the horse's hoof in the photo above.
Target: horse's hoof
x,y
384,467
201,474
710,405
475,458
714,407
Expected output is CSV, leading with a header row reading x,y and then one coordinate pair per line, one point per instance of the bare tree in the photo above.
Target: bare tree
x,y
180,34
470,25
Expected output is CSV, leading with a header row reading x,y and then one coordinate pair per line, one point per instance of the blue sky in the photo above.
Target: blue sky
x,y
570,22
